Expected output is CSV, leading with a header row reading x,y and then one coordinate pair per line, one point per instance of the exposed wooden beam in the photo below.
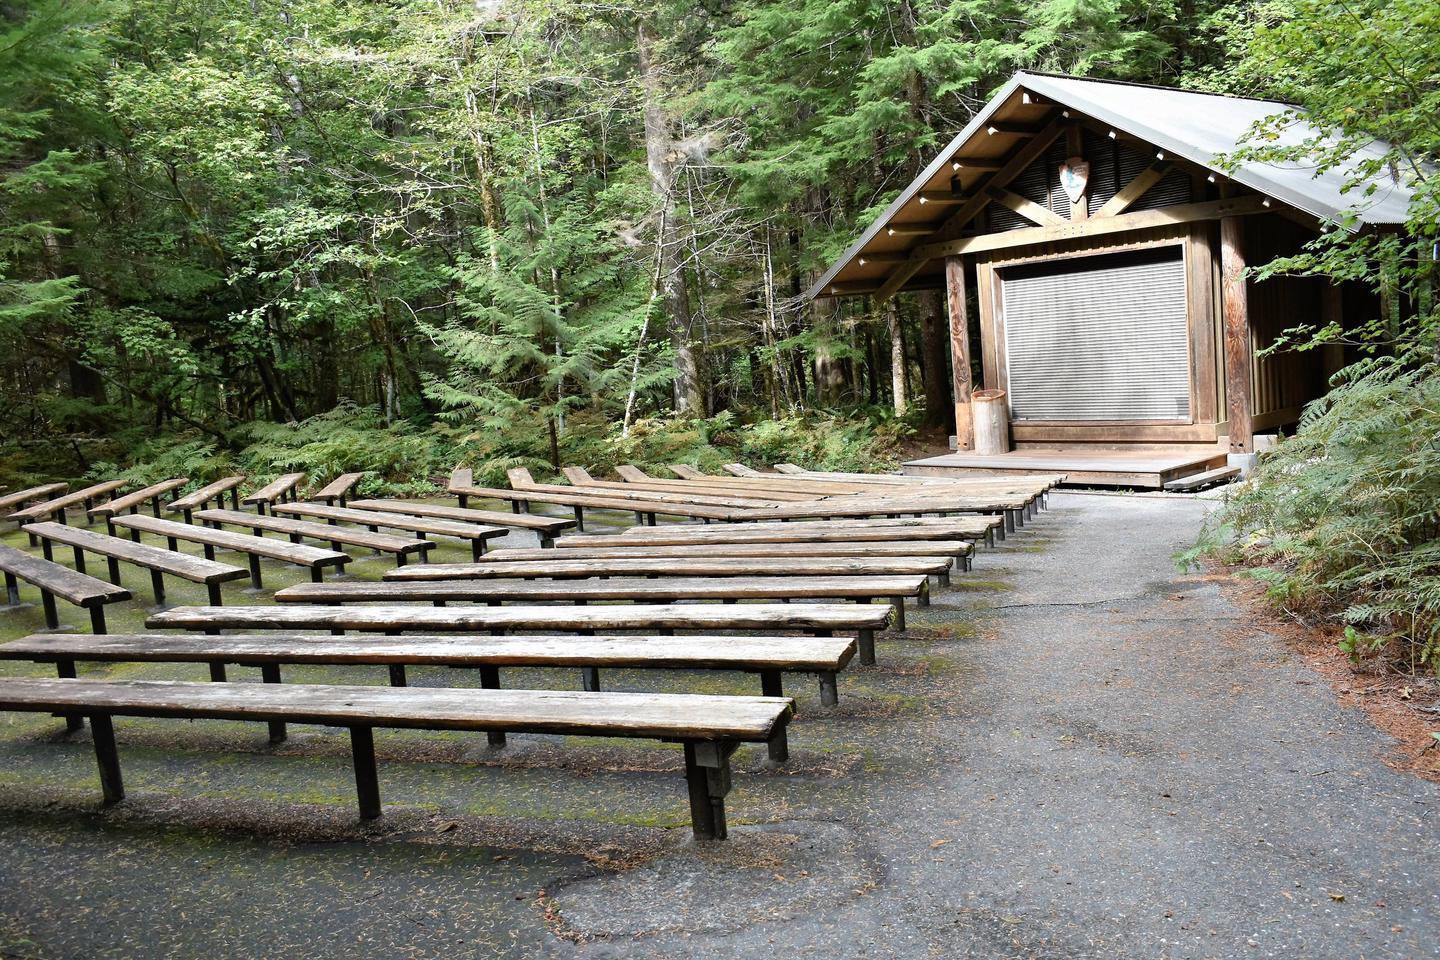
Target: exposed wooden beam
x,y
884,258
1013,167
900,277
909,230
941,196
1238,351
976,166
1013,129
1069,230
1135,189
1027,208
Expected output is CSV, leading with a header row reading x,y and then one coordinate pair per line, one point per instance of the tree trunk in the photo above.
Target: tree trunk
x,y
935,346
659,157
897,359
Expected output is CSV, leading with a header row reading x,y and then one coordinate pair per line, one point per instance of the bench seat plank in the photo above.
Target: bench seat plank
x,y
182,565
275,489
282,550
394,521
69,585
583,500
135,498
836,531
866,505
384,542
669,588
338,488
549,527
21,497
680,567
844,548
202,496
794,654
51,507
379,618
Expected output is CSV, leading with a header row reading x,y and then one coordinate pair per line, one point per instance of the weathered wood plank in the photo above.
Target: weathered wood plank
x,y
866,506
70,585
182,565
282,550
21,497
679,567
583,500
795,653
275,489
639,547
202,496
393,521
339,488
672,716
661,590
51,507
135,498
379,618
549,526
384,542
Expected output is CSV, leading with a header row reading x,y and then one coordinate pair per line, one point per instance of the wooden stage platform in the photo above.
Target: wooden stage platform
x,y
1082,466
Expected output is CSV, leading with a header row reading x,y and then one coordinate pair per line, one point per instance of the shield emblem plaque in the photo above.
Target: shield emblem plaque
x,y
1074,176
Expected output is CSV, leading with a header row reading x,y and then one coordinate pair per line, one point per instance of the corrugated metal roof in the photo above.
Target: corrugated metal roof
x,y
1197,127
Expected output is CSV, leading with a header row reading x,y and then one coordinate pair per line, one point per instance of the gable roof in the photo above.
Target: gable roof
x,y
1197,127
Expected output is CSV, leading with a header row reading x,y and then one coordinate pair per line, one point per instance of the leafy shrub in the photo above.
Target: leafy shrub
x,y
1344,518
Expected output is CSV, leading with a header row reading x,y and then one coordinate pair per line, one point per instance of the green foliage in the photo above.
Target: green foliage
x,y
1344,517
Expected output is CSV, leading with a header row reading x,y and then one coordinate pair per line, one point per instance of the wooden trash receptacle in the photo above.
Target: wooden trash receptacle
x,y
992,422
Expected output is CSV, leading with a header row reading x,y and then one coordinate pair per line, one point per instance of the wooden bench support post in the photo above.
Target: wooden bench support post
x,y
579,519
213,589
771,685
367,779
865,640
477,549
65,670
899,622
590,679
97,620
157,586
12,589
829,689
490,680
52,618
270,673
464,500
217,673
924,594
112,566
707,774
102,732
397,675
255,571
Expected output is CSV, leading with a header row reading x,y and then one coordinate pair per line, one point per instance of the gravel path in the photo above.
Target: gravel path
x,y
1115,764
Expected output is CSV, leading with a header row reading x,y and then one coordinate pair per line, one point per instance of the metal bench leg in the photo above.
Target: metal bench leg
x,y
514,505
97,620
270,673
209,551
464,500
79,559
1009,521
397,675
157,586
477,549
172,544
546,542
898,624
865,639
52,618
12,589
707,774
213,589
650,519
490,680
65,670
217,673
829,689
367,779
102,732
255,571
590,679
579,518
234,498
317,573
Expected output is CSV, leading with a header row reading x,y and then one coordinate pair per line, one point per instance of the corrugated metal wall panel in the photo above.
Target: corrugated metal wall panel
x,y
1106,341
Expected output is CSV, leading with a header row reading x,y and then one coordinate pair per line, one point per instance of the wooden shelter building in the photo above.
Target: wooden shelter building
x,y
1093,249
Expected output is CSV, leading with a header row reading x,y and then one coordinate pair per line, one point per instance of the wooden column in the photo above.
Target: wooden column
x,y
1332,312
960,351
1238,352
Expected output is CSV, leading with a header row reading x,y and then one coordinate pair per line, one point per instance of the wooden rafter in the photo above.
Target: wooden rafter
x,y
1135,189
1034,212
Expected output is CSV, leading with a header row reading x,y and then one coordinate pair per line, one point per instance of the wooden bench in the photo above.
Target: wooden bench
x,y
52,580
770,657
312,558
817,488
339,488
1011,506
474,532
641,590
835,531
21,497
635,481
280,489
546,528
710,727
400,547
823,618
154,559
57,506
644,509
461,478
133,500
961,550
520,479
216,491
718,566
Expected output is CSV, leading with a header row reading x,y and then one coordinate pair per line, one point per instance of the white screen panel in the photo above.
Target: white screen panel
x,y
1101,338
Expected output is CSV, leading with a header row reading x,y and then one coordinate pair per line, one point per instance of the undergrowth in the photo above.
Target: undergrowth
x,y
1343,519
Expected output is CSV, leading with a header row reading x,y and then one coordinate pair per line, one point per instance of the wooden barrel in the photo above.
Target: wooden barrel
x,y
992,422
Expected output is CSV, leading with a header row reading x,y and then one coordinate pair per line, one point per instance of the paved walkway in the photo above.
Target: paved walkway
x,y
1115,765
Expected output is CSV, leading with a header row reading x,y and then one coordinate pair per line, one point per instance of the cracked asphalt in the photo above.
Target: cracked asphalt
x,y
1075,752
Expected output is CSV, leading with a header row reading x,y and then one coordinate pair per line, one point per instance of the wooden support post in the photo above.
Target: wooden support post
x,y
217,673
772,685
490,680
707,774
1332,312
590,679
213,589
959,351
157,586
270,673
255,571
52,616
829,689
579,519
477,548
12,589
865,640
97,620
65,670
102,732
899,604
463,499
1238,352
367,779
397,675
